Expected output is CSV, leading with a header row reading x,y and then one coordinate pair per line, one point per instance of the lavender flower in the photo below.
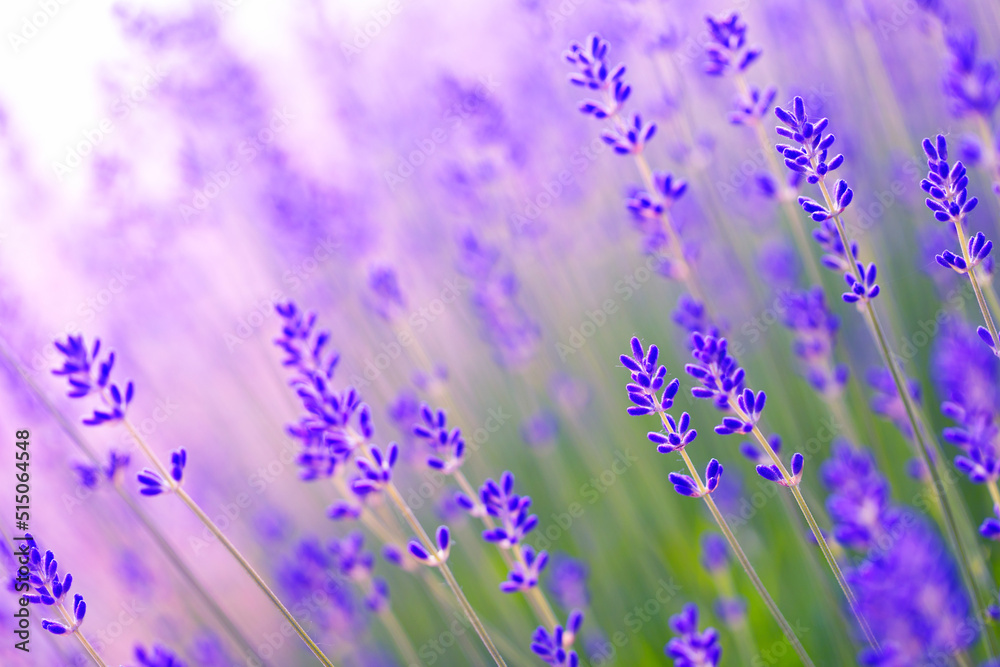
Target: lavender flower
x,y
440,556
692,648
323,429
50,590
153,484
88,375
644,391
554,648
810,157
886,401
447,445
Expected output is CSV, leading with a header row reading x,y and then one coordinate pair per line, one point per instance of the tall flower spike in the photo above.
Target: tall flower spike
x,y
555,648
51,590
88,375
526,571
949,199
692,648
809,155
647,380
815,329
509,508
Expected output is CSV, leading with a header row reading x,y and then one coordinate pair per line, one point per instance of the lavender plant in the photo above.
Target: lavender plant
x,y
87,376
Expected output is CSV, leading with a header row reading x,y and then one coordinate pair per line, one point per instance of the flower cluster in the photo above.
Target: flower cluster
x,y
88,375
323,431
728,51
512,512
810,156
596,74
649,208
447,446
815,330
51,590
648,378
692,648
886,401
555,648
153,484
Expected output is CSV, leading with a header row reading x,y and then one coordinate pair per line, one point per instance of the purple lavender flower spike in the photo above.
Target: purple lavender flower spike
x,y
447,445
714,552
437,558
773,473
902,561
728,52
809,155
567,581
885,400
686,486
88,375
718,372
153,484
509,508
376,472
692,648
51,590
555,648
525,575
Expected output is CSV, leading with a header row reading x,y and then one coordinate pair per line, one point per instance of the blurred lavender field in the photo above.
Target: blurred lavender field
x,y
192,183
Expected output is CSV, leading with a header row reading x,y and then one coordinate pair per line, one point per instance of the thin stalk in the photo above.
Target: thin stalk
x,y
68,620
922,447
814,527
983,308
230,547
446,572
747,566
737,549
161,541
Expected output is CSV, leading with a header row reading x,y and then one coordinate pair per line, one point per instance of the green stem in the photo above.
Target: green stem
x,y
814,527
446,572
68,620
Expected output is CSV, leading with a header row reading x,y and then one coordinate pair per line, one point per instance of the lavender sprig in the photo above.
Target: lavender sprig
x,y
810,157
650,207
555,647
730,56
722,381
77,367
337,428
949,199
51,590
651,394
